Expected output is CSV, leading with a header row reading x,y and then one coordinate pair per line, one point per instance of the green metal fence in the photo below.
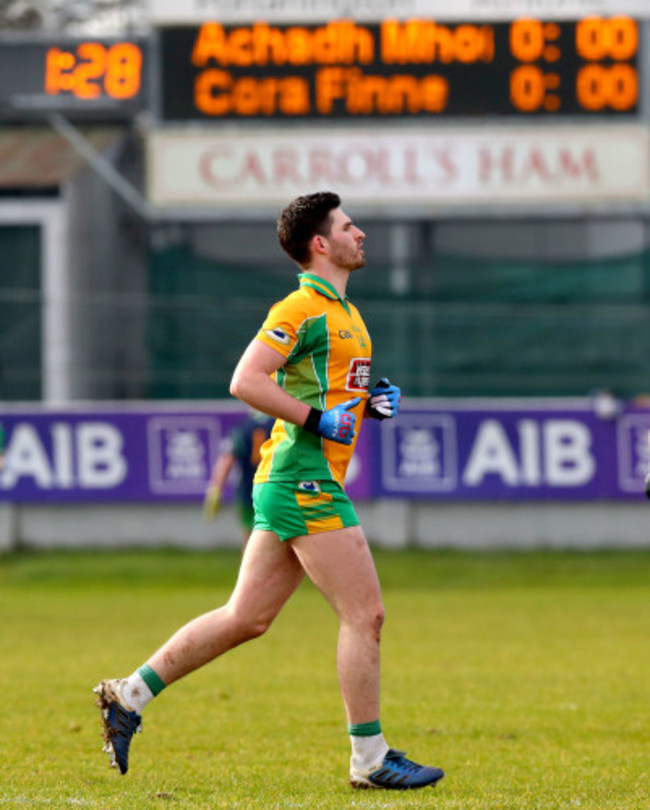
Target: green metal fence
x,y
466,328
463,328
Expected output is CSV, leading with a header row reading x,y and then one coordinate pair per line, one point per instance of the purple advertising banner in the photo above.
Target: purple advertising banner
x,y
561,450
121,453
437,450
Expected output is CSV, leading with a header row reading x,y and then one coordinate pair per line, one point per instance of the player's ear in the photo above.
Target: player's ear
x,y
318,244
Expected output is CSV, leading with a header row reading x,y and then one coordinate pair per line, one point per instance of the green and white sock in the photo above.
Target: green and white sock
x,y
368,745
141,687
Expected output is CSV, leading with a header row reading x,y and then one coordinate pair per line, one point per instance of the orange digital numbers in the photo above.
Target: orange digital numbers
x,y
396,68
603,73
123,70
527,40
532,90
527,90
92,70
601,86
607,81
615,38
533,40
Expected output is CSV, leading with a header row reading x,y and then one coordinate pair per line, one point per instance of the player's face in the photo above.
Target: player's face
x,y
346,242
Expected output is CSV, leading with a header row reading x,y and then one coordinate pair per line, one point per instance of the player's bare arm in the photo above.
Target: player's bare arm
x,y
253,383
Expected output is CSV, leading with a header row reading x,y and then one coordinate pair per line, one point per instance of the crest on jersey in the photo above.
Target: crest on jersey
x,y
309,486
359,374
278,335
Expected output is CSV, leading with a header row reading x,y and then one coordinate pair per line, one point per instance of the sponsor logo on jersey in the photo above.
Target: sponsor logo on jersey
x,y
359,374
345,335
278,335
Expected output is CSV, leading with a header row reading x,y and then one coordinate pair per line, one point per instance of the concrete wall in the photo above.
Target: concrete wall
x,y
387,523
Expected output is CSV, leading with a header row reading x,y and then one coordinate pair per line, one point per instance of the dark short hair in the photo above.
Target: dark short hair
x,y
303,219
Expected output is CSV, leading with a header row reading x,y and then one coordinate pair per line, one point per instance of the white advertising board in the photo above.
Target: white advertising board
x,y
383,167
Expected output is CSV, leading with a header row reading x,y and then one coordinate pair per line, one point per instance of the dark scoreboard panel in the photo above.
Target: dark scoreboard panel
x,y
416,68
83,78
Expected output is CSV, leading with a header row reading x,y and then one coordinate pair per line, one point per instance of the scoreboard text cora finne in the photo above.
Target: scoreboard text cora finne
x,y
416,67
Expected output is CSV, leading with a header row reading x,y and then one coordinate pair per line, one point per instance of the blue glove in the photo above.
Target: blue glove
x,y
337,424
384,400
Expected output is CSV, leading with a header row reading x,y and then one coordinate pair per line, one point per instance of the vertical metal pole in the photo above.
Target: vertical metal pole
x,y
56,337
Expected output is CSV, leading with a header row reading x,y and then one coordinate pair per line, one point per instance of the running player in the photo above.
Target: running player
x,y
308,367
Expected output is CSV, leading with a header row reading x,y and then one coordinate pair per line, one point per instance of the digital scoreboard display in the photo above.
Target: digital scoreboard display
x,y
415,68
84,78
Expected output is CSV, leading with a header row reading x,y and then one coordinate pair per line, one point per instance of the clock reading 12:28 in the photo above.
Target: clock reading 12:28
x,y
94,79
91,70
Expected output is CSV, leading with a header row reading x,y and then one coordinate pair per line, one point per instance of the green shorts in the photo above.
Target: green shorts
x,y
293,509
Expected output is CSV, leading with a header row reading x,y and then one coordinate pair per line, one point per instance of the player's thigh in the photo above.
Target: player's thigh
x,y
269,573
341,566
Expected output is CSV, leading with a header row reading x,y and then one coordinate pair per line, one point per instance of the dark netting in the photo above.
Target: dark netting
x,y
466,327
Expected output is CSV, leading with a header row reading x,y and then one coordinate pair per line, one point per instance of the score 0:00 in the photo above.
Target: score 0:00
x,y
597,88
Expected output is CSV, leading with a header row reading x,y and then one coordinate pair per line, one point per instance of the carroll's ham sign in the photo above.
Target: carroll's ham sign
x,y
382,167
559,451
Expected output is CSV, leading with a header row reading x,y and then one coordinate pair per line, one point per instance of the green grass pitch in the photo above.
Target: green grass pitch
x,y
524,675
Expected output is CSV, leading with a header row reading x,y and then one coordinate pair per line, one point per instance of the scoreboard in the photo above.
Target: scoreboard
x,y
337,70
416,68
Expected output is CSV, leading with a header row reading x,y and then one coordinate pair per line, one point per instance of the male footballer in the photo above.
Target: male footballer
x,y
309,368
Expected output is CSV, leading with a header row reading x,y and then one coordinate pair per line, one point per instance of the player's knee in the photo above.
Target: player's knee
x,y
378,620
371,619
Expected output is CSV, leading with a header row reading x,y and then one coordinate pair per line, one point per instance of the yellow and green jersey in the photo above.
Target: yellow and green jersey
x,y
327,350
